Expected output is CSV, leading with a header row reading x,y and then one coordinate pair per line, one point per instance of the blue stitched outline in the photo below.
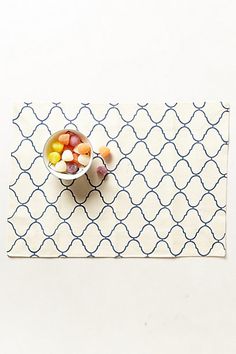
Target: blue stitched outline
x,y
95,188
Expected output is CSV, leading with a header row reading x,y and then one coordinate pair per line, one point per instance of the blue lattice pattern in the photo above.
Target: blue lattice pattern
x,y
165,194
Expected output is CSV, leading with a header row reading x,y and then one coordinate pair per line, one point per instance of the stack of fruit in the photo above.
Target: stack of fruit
x,y
68,153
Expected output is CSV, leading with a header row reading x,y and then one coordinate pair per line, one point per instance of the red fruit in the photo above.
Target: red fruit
x,y
101,170
76,158
74,140
71,167
68,147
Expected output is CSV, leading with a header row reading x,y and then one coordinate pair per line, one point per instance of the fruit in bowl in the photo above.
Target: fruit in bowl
x,y
68,154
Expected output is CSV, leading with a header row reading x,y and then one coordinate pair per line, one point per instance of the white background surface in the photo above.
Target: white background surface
x,y
104,51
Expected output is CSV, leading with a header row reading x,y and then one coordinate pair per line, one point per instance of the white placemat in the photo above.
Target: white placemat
x,y
164,196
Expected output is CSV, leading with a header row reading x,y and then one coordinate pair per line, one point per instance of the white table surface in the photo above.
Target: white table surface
x,y
114,51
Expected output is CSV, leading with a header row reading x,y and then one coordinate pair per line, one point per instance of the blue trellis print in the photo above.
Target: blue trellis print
x,y
164,196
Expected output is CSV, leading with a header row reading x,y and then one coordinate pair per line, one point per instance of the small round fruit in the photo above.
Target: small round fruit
x,y
64,139
61,166
84,159
104,151
83,149
54,157
102,171
58,147
74,140
75,156
67,155
68,147
72,167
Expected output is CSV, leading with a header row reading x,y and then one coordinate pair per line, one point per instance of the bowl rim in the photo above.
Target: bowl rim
x,y
60,175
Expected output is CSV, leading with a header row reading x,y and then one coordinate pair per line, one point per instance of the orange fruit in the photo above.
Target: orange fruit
x,y
64,139
104,151
82,149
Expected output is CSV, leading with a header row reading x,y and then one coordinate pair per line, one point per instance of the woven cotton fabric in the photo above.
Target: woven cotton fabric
x,y
164,196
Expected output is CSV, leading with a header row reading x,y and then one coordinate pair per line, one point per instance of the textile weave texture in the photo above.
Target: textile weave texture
x,y
164,196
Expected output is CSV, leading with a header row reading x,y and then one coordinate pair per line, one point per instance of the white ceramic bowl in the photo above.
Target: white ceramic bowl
x,y
47,150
